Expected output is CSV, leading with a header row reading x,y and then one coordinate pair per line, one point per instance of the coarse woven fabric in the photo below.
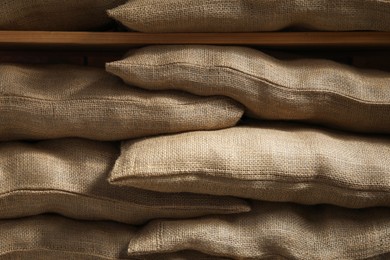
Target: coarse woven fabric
x,y
253,15
182,255
270,230
316,91
69,177
47,254
56,101
272,162
54,237
55,15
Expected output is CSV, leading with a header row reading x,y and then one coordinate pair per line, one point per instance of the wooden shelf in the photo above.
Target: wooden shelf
x,y
124,40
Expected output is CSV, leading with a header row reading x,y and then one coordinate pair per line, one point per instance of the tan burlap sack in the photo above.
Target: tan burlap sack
x,y
317,91
55,101
253,15
273,162
290,231
69,177
53,237
68,15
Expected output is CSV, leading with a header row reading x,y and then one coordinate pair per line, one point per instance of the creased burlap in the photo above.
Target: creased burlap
x,y
273,162
55,101
44,254
270,230
54,15
69,177
317,91
253,15
54,237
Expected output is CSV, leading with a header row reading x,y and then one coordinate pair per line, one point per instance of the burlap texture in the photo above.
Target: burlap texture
x,y
54,15
253,15
55,101
273,162
69,177
46,254
274,229
47,237
317,91
55,237
182,255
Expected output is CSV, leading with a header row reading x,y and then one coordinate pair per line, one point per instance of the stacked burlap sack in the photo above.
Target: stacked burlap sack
x,y
314,160
56,15
55,159
253,15
196,15
196,152
225,152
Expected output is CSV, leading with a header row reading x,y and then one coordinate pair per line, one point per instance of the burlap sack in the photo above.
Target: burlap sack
x,y
53,237
69,177
317,91
273,162
54,15
253,15
55,101
273,230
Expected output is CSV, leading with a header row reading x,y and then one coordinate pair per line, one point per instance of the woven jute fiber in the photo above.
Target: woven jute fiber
x,y
253,15
69,177
54,237
273,162
310,90
55,101
271,229
182,255
69,15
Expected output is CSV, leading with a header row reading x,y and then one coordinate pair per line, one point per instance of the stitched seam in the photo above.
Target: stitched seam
x,y
233,180
263,80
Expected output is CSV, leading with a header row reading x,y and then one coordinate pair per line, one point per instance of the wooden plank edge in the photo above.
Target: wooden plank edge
x,y
121,40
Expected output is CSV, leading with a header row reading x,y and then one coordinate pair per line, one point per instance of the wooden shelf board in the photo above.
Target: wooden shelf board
x,y
123,40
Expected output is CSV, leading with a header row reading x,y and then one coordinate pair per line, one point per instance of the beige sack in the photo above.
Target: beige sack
x,y
253,15
55,101
69,177
317,91
273,230
55,15
53,237
273,162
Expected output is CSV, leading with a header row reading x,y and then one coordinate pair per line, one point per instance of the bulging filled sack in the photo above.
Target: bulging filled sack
x,y
69,177
273,162
56,101
53,237
273,231
315,91
54,15
253,15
